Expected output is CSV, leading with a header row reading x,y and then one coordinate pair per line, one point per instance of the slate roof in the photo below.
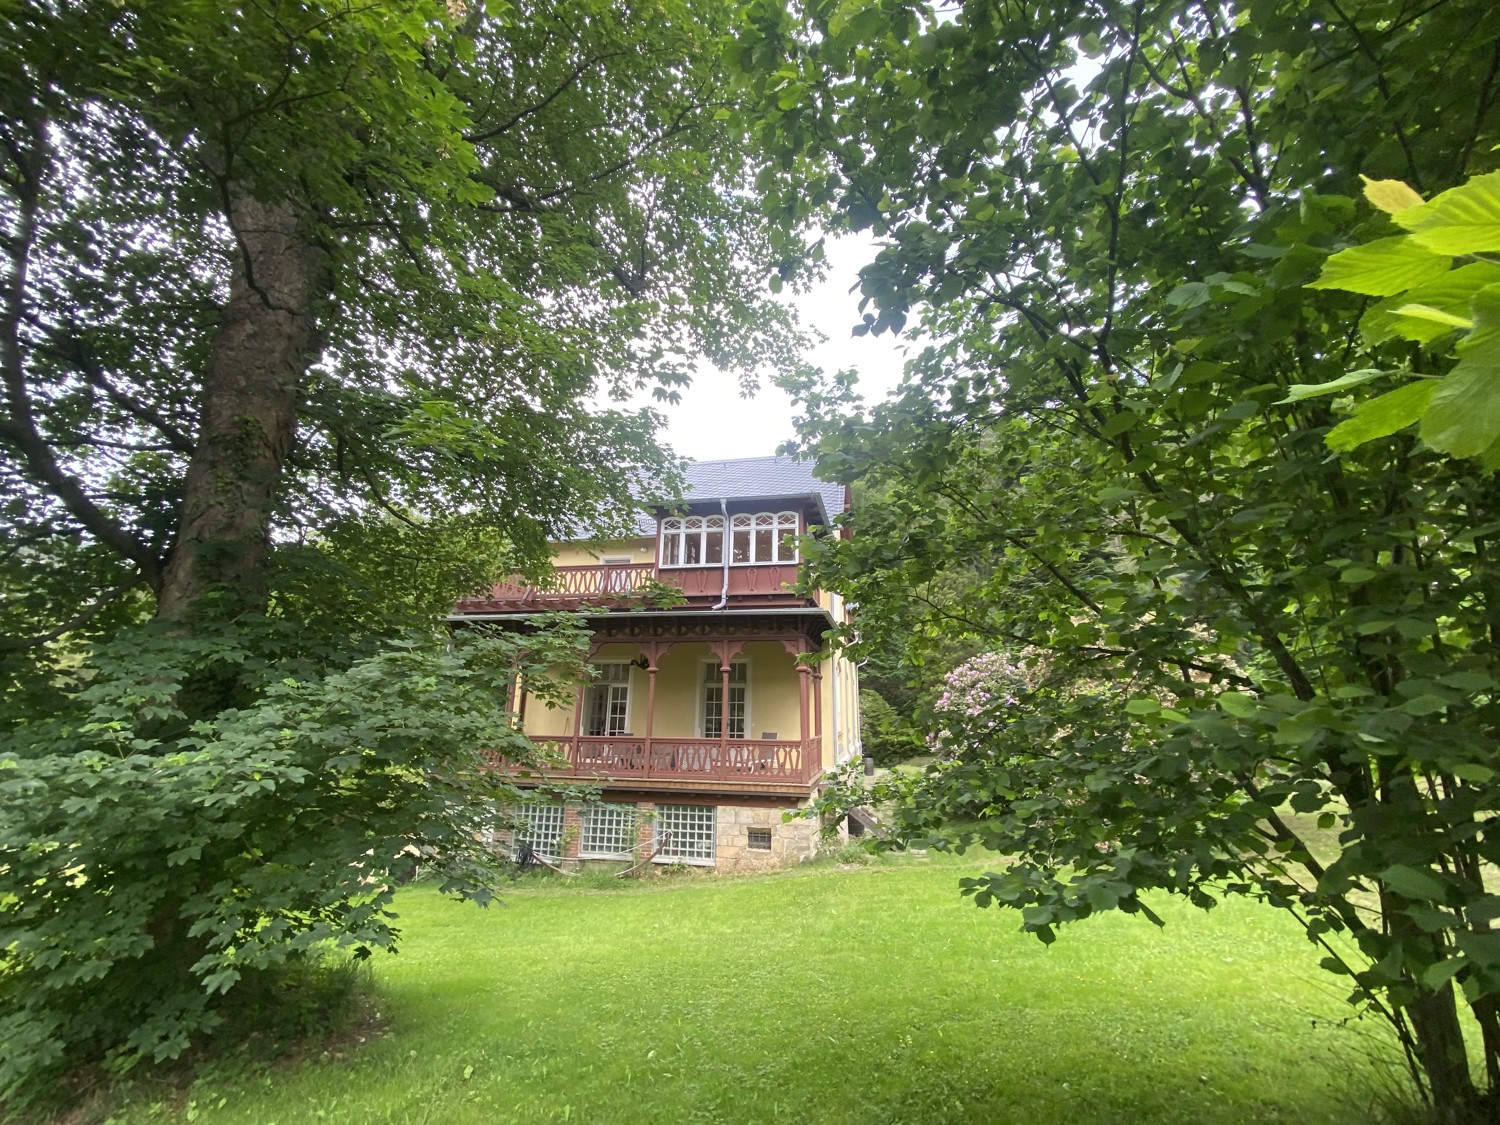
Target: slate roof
x,y
755,478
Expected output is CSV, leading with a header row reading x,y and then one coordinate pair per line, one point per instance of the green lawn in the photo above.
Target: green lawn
x,y
872,995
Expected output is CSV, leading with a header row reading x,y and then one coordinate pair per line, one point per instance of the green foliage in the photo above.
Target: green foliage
x,y
851,854
315,317
886,734
1107,218
517,219
148,864
1428,301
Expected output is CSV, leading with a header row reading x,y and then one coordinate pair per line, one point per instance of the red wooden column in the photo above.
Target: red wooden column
x,y
577,722
804,676
817,690
723,711
650,700
651,657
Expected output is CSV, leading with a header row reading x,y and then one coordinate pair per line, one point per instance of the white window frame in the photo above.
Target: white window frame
x,y
614,684
687,823
680,534
784,528
711,676
683,535
605,824
539,824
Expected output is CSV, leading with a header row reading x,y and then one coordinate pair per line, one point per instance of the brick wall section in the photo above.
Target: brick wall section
x,y
645,830
571,830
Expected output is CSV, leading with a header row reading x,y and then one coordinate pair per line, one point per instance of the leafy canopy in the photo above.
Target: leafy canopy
x,y
315,317
1106,219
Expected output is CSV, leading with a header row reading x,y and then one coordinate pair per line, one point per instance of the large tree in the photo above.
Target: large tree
x,y
307,310
268,264
1105,216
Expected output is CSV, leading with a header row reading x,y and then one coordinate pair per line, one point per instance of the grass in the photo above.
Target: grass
x,y
869,995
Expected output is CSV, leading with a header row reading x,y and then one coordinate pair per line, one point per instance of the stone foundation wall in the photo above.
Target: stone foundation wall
x,y
791,841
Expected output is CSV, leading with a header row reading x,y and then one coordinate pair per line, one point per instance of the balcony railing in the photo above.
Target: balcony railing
x,y
621,584
574,583
747,761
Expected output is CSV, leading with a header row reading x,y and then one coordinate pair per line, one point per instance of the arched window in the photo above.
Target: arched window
x,y
764,537
692,541
760,537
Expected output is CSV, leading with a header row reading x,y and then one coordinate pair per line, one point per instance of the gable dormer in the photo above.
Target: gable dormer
x,y
731,543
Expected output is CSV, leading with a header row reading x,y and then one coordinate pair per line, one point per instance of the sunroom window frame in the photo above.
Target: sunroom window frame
x,y
785,526
697,528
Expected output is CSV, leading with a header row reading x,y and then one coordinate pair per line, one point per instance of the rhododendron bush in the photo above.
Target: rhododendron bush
x,y
979,698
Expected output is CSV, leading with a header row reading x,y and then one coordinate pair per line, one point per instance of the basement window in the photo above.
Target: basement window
x,y
539,828
608,832
760,839
685,834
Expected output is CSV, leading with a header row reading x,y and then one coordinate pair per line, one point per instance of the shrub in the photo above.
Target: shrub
x,y
887,735
147,880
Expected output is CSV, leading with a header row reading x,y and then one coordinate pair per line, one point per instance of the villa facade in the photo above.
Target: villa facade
x,y
707,721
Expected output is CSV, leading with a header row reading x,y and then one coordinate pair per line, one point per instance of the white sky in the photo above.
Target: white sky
x,y
712,422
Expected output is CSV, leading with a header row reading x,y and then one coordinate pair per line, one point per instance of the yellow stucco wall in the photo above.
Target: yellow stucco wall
x,y
774,694
774,691
677,677
589,554
542,720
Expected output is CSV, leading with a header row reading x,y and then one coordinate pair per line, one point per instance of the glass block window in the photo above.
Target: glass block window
x,y
713,694
760,839
765,537
686,833
541,826
608,831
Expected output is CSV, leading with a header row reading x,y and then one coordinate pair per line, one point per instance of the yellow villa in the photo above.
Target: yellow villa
x,y
704,722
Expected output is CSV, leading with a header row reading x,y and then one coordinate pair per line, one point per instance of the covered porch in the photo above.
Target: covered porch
x,y
711,705
772,764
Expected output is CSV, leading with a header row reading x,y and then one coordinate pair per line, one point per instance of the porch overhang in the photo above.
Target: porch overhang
x,y
659,614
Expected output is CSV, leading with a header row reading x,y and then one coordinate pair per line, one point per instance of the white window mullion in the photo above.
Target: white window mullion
x,y
607,832
607,701
686,834
712,697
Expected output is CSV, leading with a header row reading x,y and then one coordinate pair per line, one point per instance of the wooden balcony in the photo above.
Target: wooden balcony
x,y
622,585
775,765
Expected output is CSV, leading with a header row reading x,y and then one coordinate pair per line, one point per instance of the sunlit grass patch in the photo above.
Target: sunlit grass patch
x,y
833,995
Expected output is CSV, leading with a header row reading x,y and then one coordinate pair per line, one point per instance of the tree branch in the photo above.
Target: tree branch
x,y
71,348
487,134
76,622
18,428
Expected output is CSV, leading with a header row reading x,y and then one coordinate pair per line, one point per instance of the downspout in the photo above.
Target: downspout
x,y
724,551
835,727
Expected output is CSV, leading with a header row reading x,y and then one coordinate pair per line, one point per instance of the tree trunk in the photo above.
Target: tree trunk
x,y
266,338
1440,1048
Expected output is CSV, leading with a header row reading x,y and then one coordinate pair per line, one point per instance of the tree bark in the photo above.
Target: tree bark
x,y
266,338
1440,1047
